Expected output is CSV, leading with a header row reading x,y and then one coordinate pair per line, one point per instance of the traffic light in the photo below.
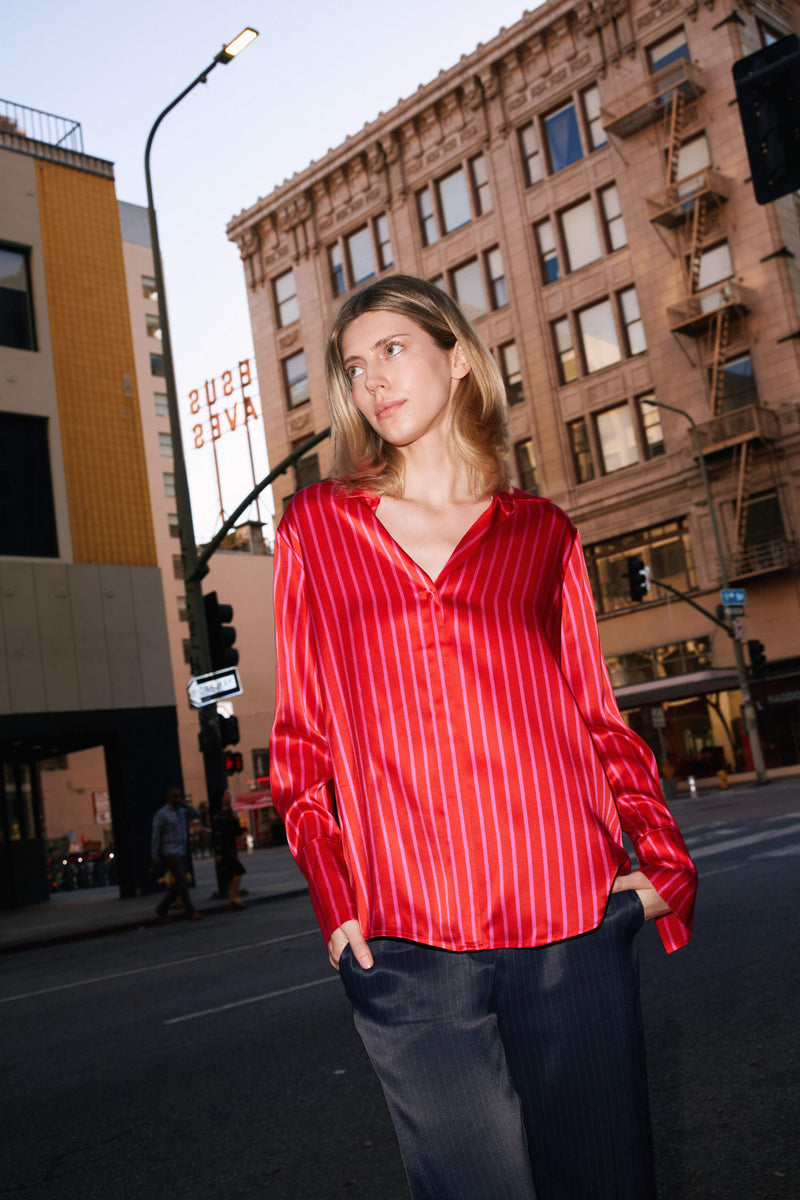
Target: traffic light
x,y
233,762
221,634
758,659
638,577
768,93
228,730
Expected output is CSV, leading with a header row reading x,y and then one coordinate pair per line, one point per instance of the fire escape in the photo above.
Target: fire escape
x,y
714,317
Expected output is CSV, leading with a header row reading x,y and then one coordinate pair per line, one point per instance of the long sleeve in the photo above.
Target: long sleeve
x,y
629,763
301,773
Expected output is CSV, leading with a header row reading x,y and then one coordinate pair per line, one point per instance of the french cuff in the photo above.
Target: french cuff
x,y
323,865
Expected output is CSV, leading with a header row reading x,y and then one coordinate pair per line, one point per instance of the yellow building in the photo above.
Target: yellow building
x,y
83,640
580,184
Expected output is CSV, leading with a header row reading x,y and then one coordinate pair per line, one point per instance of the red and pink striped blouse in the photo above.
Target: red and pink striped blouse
x,y
448,756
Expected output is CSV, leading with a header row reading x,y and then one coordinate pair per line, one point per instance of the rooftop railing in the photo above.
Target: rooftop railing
x,y
40,126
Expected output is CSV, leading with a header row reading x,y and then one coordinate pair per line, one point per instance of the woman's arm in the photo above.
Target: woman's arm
x,y
671,879
301,772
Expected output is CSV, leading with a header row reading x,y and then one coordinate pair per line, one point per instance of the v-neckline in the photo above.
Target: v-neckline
x,y
482,516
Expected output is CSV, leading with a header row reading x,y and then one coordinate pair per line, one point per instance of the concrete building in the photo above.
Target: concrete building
x,y
580,184
83,638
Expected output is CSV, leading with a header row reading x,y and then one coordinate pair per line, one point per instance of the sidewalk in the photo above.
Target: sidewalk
x,y
91,912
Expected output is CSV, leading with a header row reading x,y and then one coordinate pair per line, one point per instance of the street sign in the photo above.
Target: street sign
x,y
217,685
733,597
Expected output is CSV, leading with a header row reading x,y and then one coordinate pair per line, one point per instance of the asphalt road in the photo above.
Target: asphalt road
x,y
218,1059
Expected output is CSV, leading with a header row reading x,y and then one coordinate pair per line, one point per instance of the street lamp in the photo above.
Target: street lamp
x,y
216,779
748,708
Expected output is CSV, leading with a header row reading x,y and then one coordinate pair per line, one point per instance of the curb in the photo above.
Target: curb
x,y
79,935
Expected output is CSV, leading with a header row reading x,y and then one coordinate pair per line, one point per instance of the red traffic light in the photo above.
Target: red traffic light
x,y
234,763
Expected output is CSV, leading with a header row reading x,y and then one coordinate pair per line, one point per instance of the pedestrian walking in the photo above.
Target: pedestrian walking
x,y
455,777
226,832
169,849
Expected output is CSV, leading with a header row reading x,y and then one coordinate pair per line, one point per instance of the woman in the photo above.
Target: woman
x,y
455,776
227,831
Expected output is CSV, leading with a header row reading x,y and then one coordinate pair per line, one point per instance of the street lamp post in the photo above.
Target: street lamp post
x,y
210,744
748,708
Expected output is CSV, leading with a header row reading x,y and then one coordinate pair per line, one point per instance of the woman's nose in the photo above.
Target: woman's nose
x,y
374,376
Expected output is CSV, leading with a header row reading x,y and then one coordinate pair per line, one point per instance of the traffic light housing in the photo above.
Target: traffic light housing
x,y
221,634
233,762
768,92
638,577
228,730
758,659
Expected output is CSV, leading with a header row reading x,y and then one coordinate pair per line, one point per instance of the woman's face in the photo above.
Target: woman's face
x,y
402,382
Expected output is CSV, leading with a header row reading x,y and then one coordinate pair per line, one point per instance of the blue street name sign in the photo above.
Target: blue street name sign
x,y
732,597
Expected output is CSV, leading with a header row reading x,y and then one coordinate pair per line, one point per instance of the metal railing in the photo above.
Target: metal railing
x,y
39,126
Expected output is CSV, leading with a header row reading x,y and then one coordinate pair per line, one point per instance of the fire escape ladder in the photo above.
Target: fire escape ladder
x,y
674,122
742,495
721,334
695,252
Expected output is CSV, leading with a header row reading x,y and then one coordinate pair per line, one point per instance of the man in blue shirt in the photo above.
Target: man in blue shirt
x,y
169,848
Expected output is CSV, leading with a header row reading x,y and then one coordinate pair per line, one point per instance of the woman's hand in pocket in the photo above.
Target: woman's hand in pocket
x,y
349,932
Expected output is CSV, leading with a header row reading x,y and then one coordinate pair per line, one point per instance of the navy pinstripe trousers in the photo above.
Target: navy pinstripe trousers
x,y
513,1074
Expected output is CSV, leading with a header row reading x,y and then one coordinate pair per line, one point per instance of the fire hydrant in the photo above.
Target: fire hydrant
x,y
723,780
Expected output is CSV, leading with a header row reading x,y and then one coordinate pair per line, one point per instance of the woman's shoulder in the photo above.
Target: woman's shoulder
x,y
539,510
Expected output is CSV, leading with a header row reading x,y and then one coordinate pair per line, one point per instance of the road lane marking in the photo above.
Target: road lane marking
x,y
209,1012
735,843
176,962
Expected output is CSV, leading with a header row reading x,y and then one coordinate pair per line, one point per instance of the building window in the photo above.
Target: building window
x,y
667,50
591,110
548,251
468,289
565,351
261,763
165,445
149,287
660,662
360,256
27,512
581,238
173,525
352,259
651,424
157,365
286,305
169,483
16,306
427,218
693,155
183,612
563,137
738,383
306,469
599,341
385,254
480,185
510,370
497,278
526,466
454,201
767,34
161,404
153,325
616,236
295,379
632,320
715,266
177,566
666,550
337,270
616,438
581,450
531,158
187,651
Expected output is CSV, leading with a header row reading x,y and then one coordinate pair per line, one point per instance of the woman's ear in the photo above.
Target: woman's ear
x,y
459,367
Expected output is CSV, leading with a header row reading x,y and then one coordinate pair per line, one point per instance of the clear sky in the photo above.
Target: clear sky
x,y
317,72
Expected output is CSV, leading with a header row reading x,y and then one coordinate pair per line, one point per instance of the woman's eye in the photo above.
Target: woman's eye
x,y
353,371
392,349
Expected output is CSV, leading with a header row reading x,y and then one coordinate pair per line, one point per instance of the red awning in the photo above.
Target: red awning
x,y
261,798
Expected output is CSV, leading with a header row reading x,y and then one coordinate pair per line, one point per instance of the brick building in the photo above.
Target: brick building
x,y
580,184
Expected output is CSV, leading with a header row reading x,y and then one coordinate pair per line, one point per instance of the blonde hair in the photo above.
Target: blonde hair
x,y
479,419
